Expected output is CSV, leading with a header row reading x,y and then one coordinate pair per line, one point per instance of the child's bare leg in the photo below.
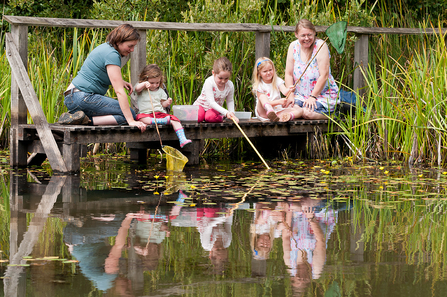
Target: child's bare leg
x,y
176,125
267,109
289,114
147,120
178,128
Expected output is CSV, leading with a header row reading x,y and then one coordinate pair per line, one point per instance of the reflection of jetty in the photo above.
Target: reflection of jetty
x,y
72,199
63,146
61,197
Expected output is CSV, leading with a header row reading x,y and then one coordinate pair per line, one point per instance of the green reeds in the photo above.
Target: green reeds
x,y
404,106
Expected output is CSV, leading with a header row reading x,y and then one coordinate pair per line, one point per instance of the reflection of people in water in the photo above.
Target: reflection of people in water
x,y
263,231
87,241
214,226
140,234
304,241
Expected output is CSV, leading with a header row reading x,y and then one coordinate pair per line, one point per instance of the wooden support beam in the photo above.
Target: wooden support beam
x,y
137,63
33,105
360,63
18,155
262,46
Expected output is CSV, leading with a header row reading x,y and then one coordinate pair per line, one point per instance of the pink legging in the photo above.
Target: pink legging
x,y
210,116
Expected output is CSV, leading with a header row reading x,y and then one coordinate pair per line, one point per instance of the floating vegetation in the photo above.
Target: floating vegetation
x,y
398,216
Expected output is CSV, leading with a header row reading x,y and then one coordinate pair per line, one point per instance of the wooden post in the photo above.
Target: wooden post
x,y
72,156
18,152
360,60
262,46
192,151
137,61
33,106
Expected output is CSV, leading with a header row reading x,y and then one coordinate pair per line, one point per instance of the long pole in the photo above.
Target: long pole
x,y
246,137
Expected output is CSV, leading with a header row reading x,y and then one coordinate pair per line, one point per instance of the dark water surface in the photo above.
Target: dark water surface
x,y
320,228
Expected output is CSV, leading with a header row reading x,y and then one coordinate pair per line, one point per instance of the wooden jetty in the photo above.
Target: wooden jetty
x,y
62,145
72,139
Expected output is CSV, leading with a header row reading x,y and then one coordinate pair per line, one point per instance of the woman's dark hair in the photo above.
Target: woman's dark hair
x,y
122,33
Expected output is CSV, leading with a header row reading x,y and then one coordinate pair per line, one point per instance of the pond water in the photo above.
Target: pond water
x,y
317,228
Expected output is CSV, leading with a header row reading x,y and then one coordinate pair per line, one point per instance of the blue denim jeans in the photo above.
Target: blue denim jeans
x,y
95,105
320,107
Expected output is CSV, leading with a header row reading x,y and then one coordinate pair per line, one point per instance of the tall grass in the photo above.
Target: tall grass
x,y
405,103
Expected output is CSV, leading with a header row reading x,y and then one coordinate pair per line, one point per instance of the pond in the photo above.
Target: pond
x,y
313,228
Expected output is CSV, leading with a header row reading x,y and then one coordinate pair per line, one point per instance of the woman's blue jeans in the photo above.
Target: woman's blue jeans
x,y
95,105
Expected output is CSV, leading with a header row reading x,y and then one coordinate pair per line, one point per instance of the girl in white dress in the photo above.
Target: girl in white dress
x,y
267,88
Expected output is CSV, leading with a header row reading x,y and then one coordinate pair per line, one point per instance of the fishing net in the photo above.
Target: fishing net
x,y
175,181
175,160
337,35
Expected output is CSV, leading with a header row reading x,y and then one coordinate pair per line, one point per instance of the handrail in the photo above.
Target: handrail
x,y
232,27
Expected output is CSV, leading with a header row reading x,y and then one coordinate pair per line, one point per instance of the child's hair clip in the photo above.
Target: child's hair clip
x,y
260,62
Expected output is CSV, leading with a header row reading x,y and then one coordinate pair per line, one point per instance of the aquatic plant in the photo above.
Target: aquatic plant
x,y
403,108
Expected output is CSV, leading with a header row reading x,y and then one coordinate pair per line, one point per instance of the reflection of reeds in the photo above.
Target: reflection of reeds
x,y
413,228
4,217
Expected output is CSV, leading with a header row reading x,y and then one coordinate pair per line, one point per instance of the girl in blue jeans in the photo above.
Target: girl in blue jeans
x,y
85,96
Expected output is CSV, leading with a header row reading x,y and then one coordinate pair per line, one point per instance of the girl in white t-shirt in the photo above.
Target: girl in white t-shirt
x,y
267,88
216,90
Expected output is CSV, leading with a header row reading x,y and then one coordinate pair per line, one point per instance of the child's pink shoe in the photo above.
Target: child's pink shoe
x,y
187,141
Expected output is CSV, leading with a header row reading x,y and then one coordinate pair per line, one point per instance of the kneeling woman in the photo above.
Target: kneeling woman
x,y
85,98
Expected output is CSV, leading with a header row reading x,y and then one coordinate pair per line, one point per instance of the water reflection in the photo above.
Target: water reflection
x,y
14,273
167,237
309,226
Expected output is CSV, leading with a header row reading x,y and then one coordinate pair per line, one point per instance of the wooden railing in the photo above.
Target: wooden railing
x,y
262,32
17,53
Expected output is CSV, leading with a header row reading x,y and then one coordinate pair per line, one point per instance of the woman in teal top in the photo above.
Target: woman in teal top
x,y
85,96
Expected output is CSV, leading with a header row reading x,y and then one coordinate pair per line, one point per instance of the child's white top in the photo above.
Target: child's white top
x,y
212,97
144,102
267,89
212,228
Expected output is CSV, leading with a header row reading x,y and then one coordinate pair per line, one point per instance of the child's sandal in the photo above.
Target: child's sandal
x,y
285,117
272,116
